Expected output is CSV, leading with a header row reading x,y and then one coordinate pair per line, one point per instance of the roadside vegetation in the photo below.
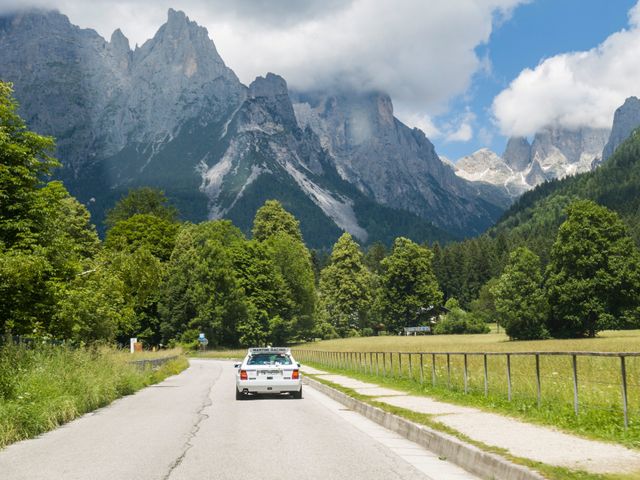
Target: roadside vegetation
x,y
45,386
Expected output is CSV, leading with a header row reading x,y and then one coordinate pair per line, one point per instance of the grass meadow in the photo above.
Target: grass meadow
x,y
46,386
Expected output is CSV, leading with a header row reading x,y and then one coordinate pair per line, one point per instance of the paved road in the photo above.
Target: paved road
x,y
191,427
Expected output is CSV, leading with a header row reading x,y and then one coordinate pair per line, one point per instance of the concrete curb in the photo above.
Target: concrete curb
x,y
471,458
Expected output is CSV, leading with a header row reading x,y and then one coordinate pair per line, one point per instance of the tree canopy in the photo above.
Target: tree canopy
x,y
594,273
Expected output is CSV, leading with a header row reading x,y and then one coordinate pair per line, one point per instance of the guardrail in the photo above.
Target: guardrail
x,y
153,363
606,381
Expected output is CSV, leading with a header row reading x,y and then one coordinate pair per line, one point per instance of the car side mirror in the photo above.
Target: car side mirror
x,y
299,365
236,365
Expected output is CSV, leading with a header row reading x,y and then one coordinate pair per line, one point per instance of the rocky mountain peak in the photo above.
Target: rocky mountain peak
x,y
119,42
269,103
269,86
182,42
625,120
517,153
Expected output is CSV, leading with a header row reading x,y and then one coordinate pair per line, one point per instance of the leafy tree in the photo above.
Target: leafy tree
x,y
24,162
142,275
346,287
519,297
594,273
202,292
375,254
408,285
27,298
272,218
156,234
484,306
457,321
94,307
292,258
144,200
266,291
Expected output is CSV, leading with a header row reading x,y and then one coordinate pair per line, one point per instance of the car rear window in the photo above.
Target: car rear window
x,y
269,359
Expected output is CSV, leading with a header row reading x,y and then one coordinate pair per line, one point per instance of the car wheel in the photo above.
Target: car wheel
x,y
297,394
239,395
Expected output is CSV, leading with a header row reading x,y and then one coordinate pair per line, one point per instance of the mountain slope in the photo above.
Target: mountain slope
x,y
172,115
393,164
535,217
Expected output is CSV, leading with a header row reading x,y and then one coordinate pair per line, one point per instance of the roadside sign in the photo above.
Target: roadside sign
x,y
201,336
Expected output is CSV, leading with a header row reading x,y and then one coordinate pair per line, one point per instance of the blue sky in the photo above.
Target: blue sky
x,y
535,31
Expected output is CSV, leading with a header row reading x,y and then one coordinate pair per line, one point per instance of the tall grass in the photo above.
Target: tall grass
x,y
46,386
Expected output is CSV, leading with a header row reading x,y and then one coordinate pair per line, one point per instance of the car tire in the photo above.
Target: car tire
x,y
298,394
239,395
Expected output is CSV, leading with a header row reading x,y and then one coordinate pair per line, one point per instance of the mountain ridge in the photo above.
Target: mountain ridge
x,y
171,114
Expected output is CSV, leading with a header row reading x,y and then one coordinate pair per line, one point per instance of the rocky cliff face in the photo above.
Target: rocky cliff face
x,y
625,120
171,114
554,153
96,97
392,163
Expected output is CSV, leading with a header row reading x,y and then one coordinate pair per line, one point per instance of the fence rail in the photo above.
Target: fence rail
x,y
153,363
604,381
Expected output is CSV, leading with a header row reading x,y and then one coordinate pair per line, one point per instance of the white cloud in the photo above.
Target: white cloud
x,y
575,89
463,134
420,52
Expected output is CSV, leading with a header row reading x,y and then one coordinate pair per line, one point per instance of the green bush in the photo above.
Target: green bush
x,y
457,321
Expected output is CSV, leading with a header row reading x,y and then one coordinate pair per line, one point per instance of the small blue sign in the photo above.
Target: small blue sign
x,y
201,336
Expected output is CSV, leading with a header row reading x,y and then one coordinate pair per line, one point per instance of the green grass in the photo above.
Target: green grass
x,y
549,471
222,354
44,387
608,341
599,379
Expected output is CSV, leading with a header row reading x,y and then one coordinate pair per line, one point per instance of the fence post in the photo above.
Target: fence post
x,y
574,363
400,363
391,374
448,371
377,365
509,376
421,370
410,367
384,364
538,384
623,373
486,376
433,369
466,376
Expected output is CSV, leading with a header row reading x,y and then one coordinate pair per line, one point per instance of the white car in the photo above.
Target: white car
x,y
268,370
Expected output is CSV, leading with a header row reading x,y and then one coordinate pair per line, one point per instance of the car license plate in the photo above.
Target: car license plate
x,y
270,372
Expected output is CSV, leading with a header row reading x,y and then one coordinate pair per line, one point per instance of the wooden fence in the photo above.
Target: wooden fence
x,y
606,381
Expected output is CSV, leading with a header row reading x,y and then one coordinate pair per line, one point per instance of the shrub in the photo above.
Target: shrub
x,y
457,321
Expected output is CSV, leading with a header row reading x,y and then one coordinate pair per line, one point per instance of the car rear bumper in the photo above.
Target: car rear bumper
x,y
268,386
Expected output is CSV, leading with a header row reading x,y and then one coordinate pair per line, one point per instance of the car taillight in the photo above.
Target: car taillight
x,y
243,375
295,375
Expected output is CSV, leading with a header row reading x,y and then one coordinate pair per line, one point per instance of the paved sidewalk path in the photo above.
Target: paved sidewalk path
x,y
521,439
